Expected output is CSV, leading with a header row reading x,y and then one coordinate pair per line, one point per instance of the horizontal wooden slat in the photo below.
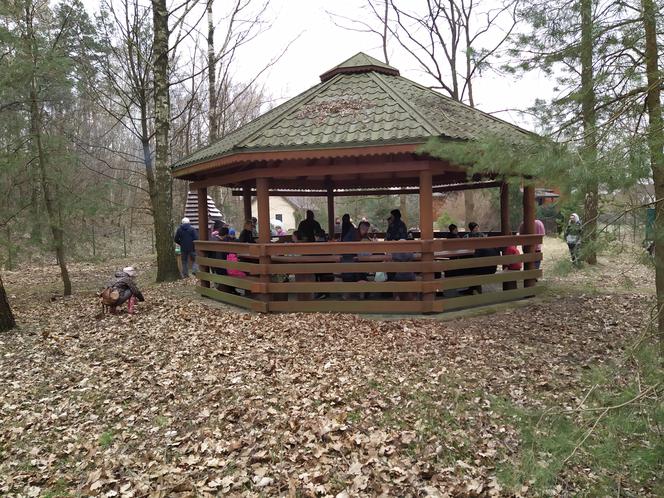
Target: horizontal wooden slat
x,y
239,248
454,303
253,268
472,280
414,286
353,306
248,283
337,268
303,248
242,302
456,264
486,242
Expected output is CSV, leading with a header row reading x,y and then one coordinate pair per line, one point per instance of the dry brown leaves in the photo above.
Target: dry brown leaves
x,y
183,399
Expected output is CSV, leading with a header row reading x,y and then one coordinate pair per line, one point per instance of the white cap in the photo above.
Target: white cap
x,y
185,220
129,270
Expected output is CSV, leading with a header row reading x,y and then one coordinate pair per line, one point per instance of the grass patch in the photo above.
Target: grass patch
x,y
562,268
594,451
106,439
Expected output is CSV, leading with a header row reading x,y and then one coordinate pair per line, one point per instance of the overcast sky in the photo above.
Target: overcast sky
x,y
320,45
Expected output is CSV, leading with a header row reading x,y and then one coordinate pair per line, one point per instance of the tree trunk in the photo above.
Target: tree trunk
x,y
162,200
403,207
40,156
590,206
7,321
469,205
212,77
656,146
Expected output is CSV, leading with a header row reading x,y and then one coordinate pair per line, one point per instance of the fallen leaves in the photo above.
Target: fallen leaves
x,y
188,399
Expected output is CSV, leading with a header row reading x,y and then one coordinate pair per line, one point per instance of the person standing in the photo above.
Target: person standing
x,y
539,230
185,237
573,236
346,226
247,234
396,228
309,229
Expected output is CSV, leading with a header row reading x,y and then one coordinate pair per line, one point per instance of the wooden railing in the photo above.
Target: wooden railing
x,y
289,277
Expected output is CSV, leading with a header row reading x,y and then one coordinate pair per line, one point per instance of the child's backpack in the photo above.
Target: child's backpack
x,y
109,296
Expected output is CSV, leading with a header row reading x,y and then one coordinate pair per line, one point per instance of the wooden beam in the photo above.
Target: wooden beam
x,y
529,226
426,228
244,157
505,228
264,234
290,171
330,211
246,201
203,226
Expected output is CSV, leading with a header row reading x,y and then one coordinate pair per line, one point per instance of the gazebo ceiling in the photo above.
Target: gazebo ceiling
x,y
361,106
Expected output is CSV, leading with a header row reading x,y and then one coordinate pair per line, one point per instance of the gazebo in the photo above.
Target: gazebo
x,y
358,132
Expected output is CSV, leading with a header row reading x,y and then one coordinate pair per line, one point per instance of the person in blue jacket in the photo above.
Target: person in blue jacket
x,y
185,237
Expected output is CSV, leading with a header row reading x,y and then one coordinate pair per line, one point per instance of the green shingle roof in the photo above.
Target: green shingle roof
x,y
360,102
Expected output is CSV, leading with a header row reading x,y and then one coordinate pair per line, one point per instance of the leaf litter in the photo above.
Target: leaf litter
x,y
183,399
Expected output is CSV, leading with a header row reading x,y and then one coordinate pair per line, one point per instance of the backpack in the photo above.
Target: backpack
x,y
109,296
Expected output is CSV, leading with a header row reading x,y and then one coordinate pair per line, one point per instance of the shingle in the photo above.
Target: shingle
x,y
371,106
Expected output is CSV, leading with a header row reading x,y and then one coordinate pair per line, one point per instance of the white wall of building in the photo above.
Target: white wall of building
x,y
280,208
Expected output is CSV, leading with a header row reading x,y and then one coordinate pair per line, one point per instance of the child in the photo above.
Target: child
x,y
122,289
512,250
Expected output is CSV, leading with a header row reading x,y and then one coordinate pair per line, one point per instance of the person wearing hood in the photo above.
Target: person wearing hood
x,y
122,288
396,228
185,237
573,236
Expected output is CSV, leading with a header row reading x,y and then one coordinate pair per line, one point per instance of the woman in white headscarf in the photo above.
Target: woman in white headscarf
x,y
573,236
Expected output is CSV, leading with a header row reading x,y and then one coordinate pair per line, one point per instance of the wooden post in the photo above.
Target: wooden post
x,y
505,228
426,231
246,202
529,226
330,212
264,235
203,228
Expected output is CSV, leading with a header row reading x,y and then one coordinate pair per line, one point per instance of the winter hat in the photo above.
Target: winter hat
x,y
129,270
185,221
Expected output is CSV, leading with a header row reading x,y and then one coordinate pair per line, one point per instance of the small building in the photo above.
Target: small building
x,y
282,209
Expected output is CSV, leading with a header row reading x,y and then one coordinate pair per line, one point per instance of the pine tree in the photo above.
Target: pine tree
x,y
656,148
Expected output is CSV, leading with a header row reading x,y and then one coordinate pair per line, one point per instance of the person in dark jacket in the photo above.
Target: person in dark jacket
x,y
396,228
247,233
185,237
124,284
454,231
309,229
346,226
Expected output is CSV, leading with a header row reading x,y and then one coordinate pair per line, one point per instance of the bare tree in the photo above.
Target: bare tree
x,y
452,41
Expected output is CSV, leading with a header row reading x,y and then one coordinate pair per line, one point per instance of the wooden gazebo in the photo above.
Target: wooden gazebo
x,y
357,133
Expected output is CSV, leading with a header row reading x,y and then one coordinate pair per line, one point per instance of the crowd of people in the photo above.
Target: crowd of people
x,y
123,287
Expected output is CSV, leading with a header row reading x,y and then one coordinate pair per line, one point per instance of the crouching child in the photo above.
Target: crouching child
x,y
121,289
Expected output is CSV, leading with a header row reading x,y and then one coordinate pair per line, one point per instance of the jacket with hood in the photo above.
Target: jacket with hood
x,y
185,237
123,282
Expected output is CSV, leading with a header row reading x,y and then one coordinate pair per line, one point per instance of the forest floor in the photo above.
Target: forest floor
x,y
555,397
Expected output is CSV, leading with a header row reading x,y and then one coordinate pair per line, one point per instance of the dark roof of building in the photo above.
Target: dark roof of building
x,y
360,102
